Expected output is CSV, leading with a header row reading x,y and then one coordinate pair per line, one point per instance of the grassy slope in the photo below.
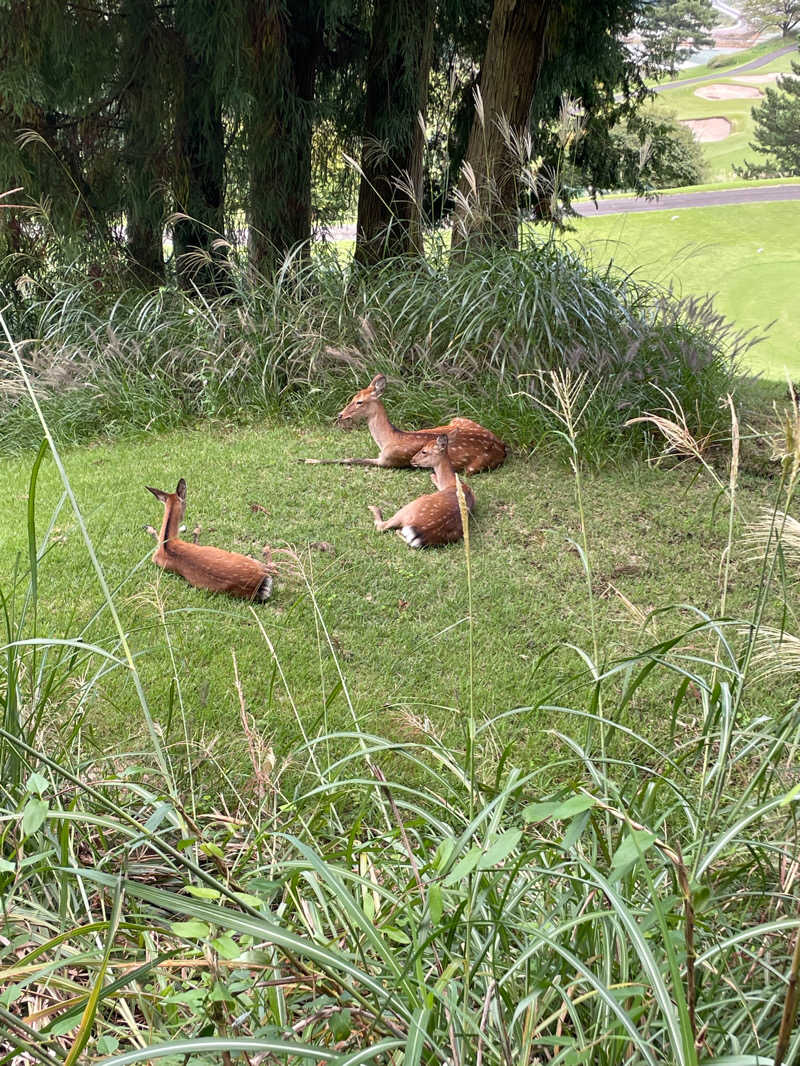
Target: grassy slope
x,y
396,616
716,249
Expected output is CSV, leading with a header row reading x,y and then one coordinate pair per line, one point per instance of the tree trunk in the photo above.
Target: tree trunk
x,y
488,191
199,192
390,193
285,52
143,148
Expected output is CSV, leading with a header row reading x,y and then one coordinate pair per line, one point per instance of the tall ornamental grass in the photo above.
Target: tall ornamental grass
x,y
478,337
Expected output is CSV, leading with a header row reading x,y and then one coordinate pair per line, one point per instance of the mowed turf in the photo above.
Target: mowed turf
x,y
746,254
397,618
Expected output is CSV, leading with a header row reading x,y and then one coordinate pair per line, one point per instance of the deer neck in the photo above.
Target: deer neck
x,y
169,527
443,474
382,430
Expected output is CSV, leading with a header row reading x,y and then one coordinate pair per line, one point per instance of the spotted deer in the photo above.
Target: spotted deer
x,y
435,518
205,567
471,447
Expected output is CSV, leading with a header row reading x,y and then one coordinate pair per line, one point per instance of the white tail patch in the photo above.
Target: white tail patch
x,y
264,590
411,537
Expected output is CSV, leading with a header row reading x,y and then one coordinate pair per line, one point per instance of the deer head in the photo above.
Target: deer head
x,y
364,402
430,454
175,502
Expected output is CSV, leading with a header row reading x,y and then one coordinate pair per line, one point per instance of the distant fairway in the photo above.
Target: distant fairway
x,y
748,255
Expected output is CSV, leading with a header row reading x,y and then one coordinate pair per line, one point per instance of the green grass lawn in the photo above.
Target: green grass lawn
x,y
743,253
396,617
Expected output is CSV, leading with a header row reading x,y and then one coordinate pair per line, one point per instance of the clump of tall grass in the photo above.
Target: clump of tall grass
x,y
477,336
419,901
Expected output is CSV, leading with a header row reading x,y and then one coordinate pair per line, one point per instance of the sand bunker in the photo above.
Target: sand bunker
x,y
758,79
708,129
728,92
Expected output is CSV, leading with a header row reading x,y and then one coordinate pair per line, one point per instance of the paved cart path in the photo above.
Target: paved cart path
x,y
618,205
728,72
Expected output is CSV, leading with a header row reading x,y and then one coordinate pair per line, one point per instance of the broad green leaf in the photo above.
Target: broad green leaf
x,y
443,853
465,865
435,904
500,849
33,815
220,994
574,805
249,900
635,844
192,930
341,1024
539,812
395,934
226,947
202,892
37,783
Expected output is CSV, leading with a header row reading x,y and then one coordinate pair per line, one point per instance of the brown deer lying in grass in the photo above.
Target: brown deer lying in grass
x,y
204,567
472,448
435,518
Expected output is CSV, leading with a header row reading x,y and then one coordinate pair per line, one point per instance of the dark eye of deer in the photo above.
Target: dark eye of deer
x,y
359,402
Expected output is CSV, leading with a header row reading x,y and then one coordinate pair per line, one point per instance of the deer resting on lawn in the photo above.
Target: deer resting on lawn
x,y
435,518
205,567
471,447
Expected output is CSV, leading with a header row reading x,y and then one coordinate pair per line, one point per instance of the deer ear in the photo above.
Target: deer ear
x,y
159,495
378,384
180,490
441,442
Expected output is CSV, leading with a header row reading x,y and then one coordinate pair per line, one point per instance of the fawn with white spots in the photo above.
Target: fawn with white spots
x,y
435,518
205,567
471,447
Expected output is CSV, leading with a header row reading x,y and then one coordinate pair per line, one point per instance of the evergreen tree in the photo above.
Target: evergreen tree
x,y
783,15
144,150
537,54
398,69
58,134
673,30
488,192
204,30
284,48
777,121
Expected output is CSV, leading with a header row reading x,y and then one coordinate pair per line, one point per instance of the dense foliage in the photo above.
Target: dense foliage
x,y
773,14
126,122
672,30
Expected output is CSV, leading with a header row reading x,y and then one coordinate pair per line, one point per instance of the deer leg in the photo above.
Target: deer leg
x,y
391,523
345,462
153,532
